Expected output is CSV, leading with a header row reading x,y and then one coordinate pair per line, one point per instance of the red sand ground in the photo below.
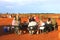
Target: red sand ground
x,y
6,21
54,35
44,36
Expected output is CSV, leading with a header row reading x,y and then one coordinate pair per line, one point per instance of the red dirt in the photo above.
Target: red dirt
x,y
24,19
6,21
44,36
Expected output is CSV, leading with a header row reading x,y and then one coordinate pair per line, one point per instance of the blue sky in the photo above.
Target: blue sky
x,y
30,6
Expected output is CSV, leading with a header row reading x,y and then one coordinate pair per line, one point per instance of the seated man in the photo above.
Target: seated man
x,y
32,26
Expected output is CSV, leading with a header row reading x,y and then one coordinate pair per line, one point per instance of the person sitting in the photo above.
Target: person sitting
x,y
24,27
41,26
32,21
54,23
32,27
49,21
49,25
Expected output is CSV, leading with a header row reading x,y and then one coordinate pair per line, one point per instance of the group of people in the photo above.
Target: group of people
x,y
35,25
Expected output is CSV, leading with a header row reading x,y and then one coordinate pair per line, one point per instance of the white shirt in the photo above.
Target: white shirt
x,y
48,22
42,24
33,23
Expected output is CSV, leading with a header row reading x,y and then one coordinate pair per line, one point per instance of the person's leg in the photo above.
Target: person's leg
x,y
20,31
48,27
16,30
30,31
51,27
56,27
33,31
37,30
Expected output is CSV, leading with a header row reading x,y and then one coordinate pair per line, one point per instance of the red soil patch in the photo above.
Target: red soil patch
x,y
45,36
24,19
6,21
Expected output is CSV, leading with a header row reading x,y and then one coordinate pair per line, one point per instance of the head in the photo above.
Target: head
x,y
49,19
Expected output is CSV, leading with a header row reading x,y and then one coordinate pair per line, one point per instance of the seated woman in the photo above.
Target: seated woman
x,y
49,21
49,25
54,23
41,26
